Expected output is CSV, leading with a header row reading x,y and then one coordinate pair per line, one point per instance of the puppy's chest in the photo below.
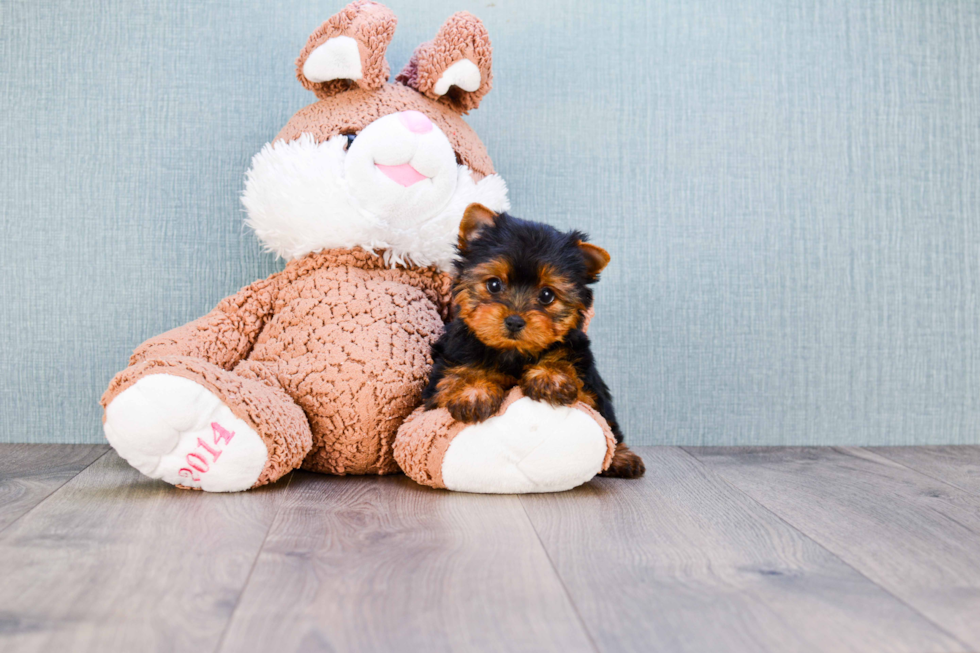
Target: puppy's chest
x,y
512,363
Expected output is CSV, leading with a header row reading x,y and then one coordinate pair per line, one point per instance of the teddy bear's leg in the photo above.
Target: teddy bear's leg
x,y
528,446
196,425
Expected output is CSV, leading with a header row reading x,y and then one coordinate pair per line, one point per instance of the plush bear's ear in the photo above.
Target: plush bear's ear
x,y
454,67
348,50
596,258
476,218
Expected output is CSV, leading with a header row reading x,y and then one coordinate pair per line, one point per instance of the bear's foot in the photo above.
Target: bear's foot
x,y
196,425
528,446
173,429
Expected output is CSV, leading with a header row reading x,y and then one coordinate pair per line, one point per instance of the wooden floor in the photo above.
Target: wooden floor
x,y
714,550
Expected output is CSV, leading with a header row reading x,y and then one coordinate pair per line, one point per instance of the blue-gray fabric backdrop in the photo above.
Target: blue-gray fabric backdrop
x,y
789,190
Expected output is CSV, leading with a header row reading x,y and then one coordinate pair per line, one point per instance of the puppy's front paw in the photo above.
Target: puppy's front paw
x,y
474,403
550,385
470,395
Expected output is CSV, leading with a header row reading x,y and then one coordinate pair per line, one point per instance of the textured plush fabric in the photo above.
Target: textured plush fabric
x,y
789,190
367,22
461,37
425,437
324,359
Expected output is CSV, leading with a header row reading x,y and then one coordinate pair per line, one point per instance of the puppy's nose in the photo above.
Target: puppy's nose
x,y
416,122
514,323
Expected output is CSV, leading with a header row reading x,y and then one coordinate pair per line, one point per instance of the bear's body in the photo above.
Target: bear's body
x,y
322,364
349,341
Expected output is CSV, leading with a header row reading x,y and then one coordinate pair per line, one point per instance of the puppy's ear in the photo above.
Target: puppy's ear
x,y
596,258
476,218
348,50
455,67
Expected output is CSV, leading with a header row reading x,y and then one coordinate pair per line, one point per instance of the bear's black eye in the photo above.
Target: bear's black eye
x,y
494,285
350,140
546,296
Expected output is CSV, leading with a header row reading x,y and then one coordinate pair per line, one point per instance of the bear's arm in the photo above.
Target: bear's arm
x,y
222,337
438,288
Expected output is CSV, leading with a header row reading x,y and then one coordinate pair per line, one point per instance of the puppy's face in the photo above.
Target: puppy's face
x,y
524,304
522,285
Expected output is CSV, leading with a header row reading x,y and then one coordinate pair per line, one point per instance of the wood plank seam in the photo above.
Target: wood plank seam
x,y
564,587
248,578
55,490
921,472
818,543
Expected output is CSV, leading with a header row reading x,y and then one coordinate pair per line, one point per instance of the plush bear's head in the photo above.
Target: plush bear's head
x,y
389,167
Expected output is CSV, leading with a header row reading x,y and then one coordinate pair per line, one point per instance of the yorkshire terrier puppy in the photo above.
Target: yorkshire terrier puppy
x,y
520,294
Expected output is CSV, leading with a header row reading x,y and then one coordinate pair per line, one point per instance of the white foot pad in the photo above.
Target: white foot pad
x,y
532,447
173,429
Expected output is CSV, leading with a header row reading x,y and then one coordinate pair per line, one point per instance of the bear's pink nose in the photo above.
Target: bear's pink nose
x,y
416,122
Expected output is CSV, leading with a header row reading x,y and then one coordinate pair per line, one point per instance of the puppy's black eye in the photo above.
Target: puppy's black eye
x,y
546,296
494,285
350,140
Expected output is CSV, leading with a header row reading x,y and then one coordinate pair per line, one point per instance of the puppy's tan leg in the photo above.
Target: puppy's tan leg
x,y
471,394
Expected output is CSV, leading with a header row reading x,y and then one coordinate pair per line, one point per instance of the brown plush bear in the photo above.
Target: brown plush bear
x,y
318,366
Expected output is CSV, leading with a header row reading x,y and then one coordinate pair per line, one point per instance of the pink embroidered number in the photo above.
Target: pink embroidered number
x,y
221,433
188,473
197,462
215,453
202,467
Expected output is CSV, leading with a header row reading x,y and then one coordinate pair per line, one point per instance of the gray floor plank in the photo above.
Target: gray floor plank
x,y
680,561
915,536
31,472
382,564
956,465
114,561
